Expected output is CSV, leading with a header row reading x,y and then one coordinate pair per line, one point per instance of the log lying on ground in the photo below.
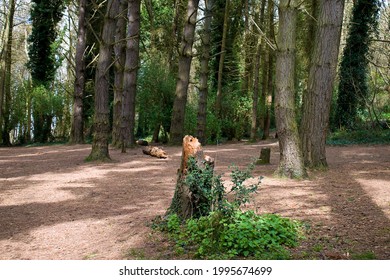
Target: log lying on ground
x,y
185,201
154,152
142,142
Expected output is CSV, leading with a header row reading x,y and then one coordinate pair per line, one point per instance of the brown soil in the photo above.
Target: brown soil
x,y
53,205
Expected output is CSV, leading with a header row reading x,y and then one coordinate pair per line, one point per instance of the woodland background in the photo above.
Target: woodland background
x,y
110,72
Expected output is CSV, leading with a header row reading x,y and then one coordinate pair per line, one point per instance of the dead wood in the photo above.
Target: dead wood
x,y
154,152
184,201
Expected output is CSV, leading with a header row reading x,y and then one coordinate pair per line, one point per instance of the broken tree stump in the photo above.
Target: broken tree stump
x,y
265,155
186,201
154,152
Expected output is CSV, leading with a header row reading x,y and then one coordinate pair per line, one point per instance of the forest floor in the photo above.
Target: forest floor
x,y
53,205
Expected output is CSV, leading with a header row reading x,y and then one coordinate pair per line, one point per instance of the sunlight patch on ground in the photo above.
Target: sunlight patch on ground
x,y
378,190
65,240
40,193
298,198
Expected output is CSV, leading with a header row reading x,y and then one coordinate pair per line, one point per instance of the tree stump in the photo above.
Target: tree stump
x,y
154,152
185,202
142,142
265,155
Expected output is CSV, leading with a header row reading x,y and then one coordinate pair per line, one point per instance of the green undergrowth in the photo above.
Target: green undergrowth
x,y
221,229
345,137
238,236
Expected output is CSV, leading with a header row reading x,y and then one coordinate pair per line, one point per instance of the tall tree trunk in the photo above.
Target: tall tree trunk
x,y
119,64
131,70
256,92
102,84
291,161
77,132
6,76
218,102
270,76
256,78
185,52
204,73
322,75
177,29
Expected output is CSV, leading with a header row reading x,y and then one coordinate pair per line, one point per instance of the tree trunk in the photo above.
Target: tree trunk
x,y
256,92
218,102
177,29
291,161
119,64
256,80
185,202
270,76
102,84
77,131
131,70
154,152
185,52
316,110
6,76
204,73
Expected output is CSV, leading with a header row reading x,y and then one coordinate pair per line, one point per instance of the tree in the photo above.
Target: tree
x,y
322,73
185,58
353,88
130,74
102,84
218,102
291,161
256,75
42,62
5,75
77,131
119,66
268,93
204,72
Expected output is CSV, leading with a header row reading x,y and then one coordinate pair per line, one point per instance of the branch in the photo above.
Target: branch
x,y
268,41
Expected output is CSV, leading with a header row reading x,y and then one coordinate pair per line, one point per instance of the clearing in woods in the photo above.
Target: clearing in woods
x,y
53,205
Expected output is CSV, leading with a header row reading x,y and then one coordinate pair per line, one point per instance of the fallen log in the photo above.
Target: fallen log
x,y
142,142
154,152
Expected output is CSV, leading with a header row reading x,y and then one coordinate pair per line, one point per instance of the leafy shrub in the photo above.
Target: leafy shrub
x,y
241,234
220,230
347,137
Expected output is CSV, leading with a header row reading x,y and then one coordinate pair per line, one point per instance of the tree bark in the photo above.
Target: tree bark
x,y
184,202
119,64
131,70
77,131
322,74
5,95
256,80
218,102
154,152
291,161
270,76
185,52
204,73
102,84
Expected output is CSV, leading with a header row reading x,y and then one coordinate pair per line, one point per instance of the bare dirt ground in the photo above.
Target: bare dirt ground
x,y
53,205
